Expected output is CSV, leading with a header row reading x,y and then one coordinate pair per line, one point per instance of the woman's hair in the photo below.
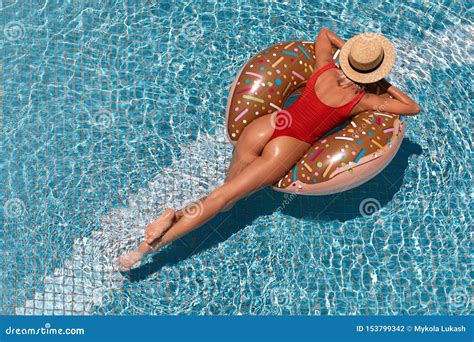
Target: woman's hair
x,y
345,82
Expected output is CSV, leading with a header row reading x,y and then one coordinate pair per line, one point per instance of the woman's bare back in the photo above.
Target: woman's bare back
x,y
332,94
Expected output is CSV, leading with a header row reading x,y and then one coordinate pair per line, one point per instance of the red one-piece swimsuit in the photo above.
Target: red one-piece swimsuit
x,y
310,119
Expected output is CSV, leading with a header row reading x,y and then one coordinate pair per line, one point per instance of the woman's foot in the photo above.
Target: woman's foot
x,y
126,261
155,229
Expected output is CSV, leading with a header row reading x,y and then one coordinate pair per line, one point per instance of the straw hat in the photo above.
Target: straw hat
x,y
367,57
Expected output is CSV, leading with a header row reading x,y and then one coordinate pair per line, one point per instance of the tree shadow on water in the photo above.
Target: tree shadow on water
x,y
341,207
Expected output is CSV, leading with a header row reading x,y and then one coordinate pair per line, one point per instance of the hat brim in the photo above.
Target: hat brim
x,y
377,74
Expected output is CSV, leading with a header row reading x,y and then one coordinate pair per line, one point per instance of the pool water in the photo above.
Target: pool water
x,y
113,111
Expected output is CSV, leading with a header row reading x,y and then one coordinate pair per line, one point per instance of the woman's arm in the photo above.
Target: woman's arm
x,y
334,38
324,43
398,103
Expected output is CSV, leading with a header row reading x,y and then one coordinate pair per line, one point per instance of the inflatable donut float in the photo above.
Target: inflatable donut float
x,y
346,157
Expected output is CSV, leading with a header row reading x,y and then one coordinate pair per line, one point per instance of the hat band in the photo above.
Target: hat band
x,y
369,70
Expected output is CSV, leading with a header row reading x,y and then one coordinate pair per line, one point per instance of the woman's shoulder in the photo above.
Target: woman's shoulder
x,y
324,66
321,70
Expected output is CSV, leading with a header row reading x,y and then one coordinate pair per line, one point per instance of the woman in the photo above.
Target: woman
x,y
264,154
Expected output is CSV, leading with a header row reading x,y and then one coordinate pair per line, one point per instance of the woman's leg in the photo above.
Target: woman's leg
x,y
278,156
250,144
